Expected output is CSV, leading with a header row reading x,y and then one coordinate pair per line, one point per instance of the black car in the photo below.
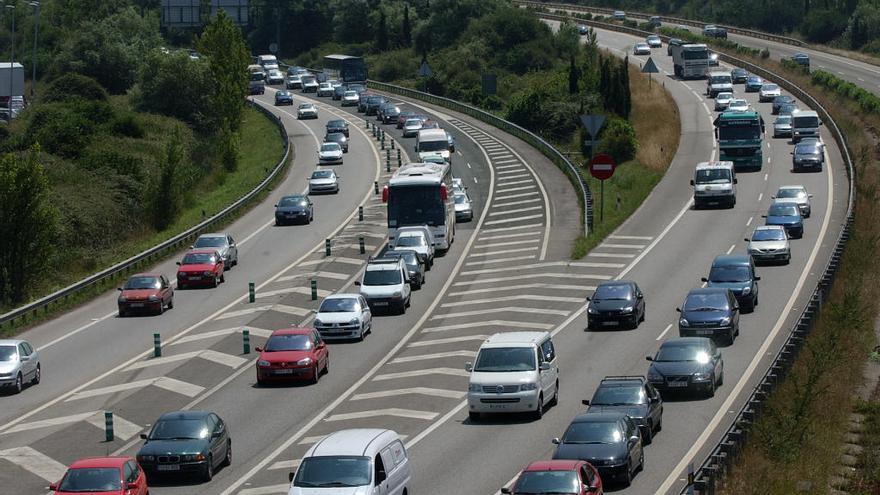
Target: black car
x,y
294,208
414,264
373,104
283,97
709,312
337,125
689,364
337,137
616,303
807,156
340,90
633,396
388,113
739,75
737,273
787,108
781,100
186,442
610,441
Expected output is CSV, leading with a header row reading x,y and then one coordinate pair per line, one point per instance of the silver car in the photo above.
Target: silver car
x,y
307,111
782,126
768,92
654,41
323,181
412,127
738,105
796,194
770,243
350,98
463,210
641,49
19,364
223,243
722,100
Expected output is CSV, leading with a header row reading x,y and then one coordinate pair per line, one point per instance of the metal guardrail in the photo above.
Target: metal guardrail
x,y
717,463
671,20
533,139
150,255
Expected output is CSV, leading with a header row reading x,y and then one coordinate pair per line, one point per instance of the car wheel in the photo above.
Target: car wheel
x,y
222,278
277,223
316,375
18,386
216,281
227,461
648,434
473,416
555,400
711,391
408,301
122,313
161,307
360,337
730,337
721,379
327,365
37,376
628,477
401,309
659,424
208,472
539,411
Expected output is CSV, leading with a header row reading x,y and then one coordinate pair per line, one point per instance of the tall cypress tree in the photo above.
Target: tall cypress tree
x,y
604,83
382,33
625,96
406,29
573,77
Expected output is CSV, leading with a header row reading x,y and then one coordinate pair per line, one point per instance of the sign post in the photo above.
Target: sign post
x,y
650,68
425,71
593,124
602,168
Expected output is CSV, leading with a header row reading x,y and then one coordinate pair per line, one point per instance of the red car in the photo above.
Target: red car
x,y
145,292
200,267
559,476
293,354
103,476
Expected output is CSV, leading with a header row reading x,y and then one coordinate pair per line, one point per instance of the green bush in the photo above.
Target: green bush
x,y
73,86
174,85
866,101
618,139
127,124
59,129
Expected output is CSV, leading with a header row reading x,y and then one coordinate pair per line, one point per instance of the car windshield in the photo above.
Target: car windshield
x,y
505,359
336,137
705,302
719,80
308,79
135,283
333,471
681,353
791,192
179,429
769,235
281,94
730,273
619,395
414,122
410,241
288,342
337,123
784,119
724,96
613,292
781,99
210,242
322,174
382,277
806,149
754,80
548,482
7,353
769,87
806,121
739,103
460,199
199,259
782,210
349,94
330,147
433,145
293,201
91,480
712,176
411,258
593,432
347,305
305,106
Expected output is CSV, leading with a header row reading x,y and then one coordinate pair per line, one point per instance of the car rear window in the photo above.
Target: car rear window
x,y
547,482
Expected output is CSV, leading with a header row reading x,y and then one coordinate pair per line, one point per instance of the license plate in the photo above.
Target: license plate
x,y
677,384
283,372
137,305
169,467
195,277
611,323
497,406
704,332
380,303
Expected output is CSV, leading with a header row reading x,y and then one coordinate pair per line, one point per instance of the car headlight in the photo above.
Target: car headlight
x,y
653,376
207,273
354,321
475,387
397,294
525,387
725,320
146,458
318,322
627,309
153,298
683,322
747,291
122,299
592,310
192,457
263,362
701,376
304,362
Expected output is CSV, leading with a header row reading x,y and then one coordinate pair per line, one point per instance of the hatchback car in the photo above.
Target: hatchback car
x,y
325,89
754,83
768,92
337,125
795,194
709,312
807,156
19,364
722,100
738,105
223,244
688,364
616,303
737,273
415,265
787,215
307,111
294,81
388,113
350,98
782,126
339,91
416,241
294,208
633,396
145,292
293,354
787,108
338,138
330,153
769,243
412,127
464,212
557,477
609,441
654,41
274,76
200,267
105,475
373,103
779,101
385,283
283,97
344,316
186,442
739,75
403,117
323,181
641,49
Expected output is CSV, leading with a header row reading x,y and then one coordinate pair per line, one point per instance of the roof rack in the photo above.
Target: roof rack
x,y
624,377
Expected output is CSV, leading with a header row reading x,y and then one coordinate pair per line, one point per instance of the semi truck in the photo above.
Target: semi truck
x,y
691,61
740,136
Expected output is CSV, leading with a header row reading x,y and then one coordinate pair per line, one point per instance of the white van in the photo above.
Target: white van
x,y
804,124
714,183
268,61
514,372
431,142
386,284
354,462
719,82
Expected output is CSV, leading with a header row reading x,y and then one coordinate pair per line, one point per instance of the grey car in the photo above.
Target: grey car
x,y
635,397
338,138
688,364
464,212
769,243
19,364
782,126
223,243
796,194
807,156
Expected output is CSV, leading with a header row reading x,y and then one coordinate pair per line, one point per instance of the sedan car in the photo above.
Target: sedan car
x,y
754,83
787,108
105,475
388,113
797,195
294,81
337,125
713,59
323,181
807,156
736,272
344,316
200,267
307,111
709,312
374,102
403,116
768,92
738,105
415,265
186,442
19,364
145,292
782,126
222,243
294,208
722,101
633,396
338,138
339,91
787,215
739,75
293,354
458,185
769,243
325,89
560,476
330,153
616,303
309,84
654,41
687,364
283,97
350,99
274,76
641,49
609,441
412,127
464,212
781,100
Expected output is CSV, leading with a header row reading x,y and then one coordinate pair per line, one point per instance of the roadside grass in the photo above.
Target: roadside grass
x,y
656,122
866,478
261,148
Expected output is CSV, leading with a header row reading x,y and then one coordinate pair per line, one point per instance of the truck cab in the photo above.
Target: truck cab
x,y
714,184
719,82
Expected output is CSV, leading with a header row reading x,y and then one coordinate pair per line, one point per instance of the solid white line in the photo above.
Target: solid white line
x,y
268,490
518,210
543,265
253,331
322,293
514,183
512,189
448,340
622,246
335,259
505,167
512,177
502,244
488,323
36,462
392,411
207,354
184,388
422,372
504,260
664,332
505,251
610,255
524,286
122,428
333,275
517,227
509,172
633,263
511,220
508,236
536,311
517,297
430,392
516,203
45,423
436,355
577,276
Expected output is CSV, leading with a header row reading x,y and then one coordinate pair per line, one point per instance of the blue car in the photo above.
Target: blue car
x,y
710,312
283,97
737,273
787,215
753,84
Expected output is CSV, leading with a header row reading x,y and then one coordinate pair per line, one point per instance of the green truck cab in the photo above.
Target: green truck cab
x,y
740,135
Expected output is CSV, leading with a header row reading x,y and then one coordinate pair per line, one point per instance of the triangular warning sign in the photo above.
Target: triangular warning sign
x,y
650,67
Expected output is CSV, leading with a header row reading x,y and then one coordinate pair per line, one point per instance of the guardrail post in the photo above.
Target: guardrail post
x,y
314,286
360,213
388,162
246,341
108,426
327,247
383,139
157,345
398,158
252,296
372,129
361,244
392,144
375,187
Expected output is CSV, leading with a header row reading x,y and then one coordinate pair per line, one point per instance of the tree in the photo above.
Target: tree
x,y
28,224
625,95
406,28
618,139
573,76
173,84
165,199
223,45
382,33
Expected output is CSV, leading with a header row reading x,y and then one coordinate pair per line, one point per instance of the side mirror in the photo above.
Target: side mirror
x,y
192,247
290,476
649,358
592,489
132,486
468,367
506,490
215,434
772,197
177,263
119,289
545,366
640,296
704,279
757,278
809,195
357,282
692,181
735,181
678,310
275,205
556,441
588,298
143,436
585,402
258,349
747,239
53,486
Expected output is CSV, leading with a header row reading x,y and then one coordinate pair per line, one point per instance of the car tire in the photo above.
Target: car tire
x,y
208,471
317,374
720,379
227,460
401,309
648,434
37,376
555,400
161,308
627,480
327,365
473,416
711,391
18,386
539,411
360,337
659,424
730,338
216,281
122,313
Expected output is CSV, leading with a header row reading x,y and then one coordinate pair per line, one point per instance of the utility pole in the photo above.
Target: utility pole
x,y
11,56
36,5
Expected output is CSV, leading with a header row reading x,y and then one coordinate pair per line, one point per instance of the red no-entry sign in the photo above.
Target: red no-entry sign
x,y
602,167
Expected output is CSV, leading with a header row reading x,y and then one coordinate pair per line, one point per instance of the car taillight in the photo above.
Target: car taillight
x,y
444,195
385,194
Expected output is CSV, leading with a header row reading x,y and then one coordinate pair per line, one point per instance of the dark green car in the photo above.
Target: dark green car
x,y
186,442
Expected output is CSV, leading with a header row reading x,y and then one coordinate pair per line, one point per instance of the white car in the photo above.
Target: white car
x,y
274,76
325,89
330,153
385,284
309,84
307,111
19,364
457,185
294,81
344,316
350,98
323,181
418,242
641,49
412,127
654,41
770,243
463,210
722,101
768,91
738,105
334,83
798,195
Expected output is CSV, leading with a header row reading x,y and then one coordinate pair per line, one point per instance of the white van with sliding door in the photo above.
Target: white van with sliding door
x,y
362,461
